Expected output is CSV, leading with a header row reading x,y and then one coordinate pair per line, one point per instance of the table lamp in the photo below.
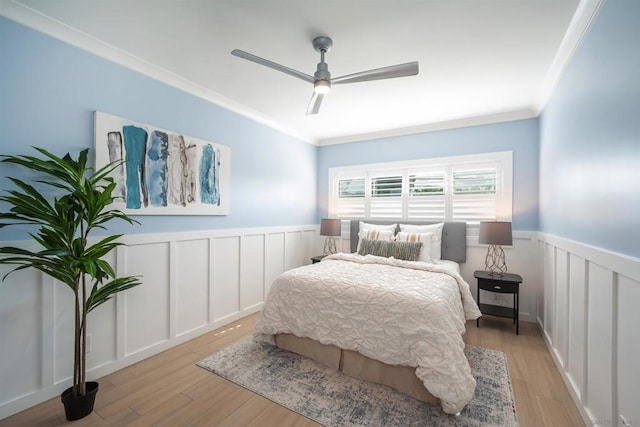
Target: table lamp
x,y
495,234
329,228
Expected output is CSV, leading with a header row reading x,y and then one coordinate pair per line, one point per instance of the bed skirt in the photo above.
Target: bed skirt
x,y
354,364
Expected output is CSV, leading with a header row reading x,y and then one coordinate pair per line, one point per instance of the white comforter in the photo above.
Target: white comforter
x,y
398,312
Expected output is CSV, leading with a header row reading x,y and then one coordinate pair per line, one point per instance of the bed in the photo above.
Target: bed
x,y
394,322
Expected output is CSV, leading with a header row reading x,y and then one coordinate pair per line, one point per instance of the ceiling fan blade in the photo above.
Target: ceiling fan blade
x,y
391,72
314,103
295,73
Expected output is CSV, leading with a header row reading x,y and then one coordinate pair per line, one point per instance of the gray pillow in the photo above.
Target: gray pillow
x,y
375,247
407,251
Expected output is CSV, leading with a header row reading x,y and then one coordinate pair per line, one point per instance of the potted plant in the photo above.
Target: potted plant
x,y
64,221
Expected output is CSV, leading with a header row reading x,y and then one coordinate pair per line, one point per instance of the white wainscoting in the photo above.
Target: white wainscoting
x,y
590,318
584,298
193,282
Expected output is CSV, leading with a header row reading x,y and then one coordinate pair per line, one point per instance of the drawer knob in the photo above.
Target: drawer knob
x,y
497,287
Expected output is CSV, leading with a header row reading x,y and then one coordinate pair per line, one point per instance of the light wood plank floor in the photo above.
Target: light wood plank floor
x,y
169,389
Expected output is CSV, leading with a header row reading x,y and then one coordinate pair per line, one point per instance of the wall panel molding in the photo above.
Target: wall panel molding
x,y
588,326
582,297
225,279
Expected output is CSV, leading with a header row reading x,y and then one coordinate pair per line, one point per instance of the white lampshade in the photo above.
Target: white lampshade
x,y
495,233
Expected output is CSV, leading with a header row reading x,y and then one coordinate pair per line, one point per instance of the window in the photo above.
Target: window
x,y
386,197
474,182
351,188
427,196
469,188
386,186
427,184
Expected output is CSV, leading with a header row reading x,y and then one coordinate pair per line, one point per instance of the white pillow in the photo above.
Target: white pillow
x,y
364,226
374,234
427,239
367,226
436,245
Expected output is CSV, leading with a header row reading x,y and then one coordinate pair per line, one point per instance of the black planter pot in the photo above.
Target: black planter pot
x,y
80,406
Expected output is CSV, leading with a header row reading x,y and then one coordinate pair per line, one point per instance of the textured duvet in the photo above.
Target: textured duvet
x,y
398,312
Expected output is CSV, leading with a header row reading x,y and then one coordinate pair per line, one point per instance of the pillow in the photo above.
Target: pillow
x,y
374,247
407,251
367,226
436,246
427,239
374,234
388,231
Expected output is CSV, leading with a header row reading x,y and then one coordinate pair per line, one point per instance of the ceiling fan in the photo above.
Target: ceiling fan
x,y
322,80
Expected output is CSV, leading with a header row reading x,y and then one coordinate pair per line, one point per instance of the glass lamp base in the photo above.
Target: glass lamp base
x,y
329,246
495,262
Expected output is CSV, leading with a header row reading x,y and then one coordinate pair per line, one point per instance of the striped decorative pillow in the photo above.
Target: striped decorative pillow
x,y
374,234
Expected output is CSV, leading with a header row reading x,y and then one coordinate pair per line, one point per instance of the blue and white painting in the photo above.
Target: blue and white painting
x,y
164,173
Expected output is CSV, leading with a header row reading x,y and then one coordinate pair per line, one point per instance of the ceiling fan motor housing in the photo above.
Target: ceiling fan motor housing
x,y
322,72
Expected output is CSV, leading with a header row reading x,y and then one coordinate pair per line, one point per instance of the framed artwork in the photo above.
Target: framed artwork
x,y
164,172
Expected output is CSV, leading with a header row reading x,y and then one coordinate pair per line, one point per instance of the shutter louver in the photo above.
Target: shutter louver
x,y
386,200
427,197
388,186
351,208
474,182
351,200
386,208
427,208
474,195
473,209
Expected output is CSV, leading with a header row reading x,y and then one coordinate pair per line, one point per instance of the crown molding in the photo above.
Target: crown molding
x,y
42,23
506,116
585,14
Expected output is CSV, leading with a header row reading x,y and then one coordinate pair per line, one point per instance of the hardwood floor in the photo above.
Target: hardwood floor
x,y
169,389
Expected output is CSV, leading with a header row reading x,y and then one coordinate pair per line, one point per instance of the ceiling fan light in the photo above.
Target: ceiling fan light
x,y
321,87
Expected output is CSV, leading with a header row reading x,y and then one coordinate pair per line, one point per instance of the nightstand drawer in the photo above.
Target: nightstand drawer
x,y
497,286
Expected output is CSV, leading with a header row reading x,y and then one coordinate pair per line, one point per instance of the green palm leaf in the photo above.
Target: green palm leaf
x,y
80,202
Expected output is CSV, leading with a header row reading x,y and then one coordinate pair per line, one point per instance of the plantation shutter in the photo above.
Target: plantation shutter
x,y
470,188
474,195
351,198
386,197
427,197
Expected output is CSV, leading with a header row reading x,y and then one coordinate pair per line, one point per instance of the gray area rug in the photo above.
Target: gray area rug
x,y
334,399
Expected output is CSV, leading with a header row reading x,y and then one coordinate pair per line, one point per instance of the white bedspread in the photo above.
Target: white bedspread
x,y
398,312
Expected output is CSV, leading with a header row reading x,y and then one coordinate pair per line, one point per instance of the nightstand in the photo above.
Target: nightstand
x,y
317,258
506,283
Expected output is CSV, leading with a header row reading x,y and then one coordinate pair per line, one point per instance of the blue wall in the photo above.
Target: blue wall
x,y
520,136
590,138
49,90
576,169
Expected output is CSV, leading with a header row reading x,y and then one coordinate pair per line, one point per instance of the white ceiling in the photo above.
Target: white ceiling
x,y
480,61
